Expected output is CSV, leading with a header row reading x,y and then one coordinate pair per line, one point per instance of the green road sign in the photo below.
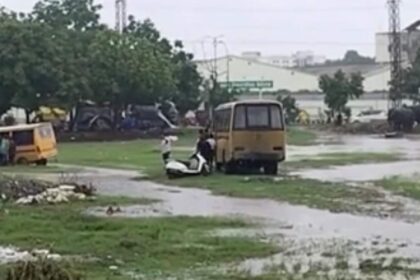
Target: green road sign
x,y
246,85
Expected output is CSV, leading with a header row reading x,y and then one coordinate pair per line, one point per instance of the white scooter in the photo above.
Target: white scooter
x,y
196,166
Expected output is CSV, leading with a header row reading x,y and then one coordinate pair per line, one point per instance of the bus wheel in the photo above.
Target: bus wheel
x,y
42,162
271,168
22,161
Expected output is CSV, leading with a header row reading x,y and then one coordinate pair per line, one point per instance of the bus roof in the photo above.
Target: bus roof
x,y
20,127
246,102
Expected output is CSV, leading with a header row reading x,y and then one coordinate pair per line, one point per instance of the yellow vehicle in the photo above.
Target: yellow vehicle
x,y
250,134
35,143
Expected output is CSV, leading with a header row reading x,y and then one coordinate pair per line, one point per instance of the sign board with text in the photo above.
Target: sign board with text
x,y
247,85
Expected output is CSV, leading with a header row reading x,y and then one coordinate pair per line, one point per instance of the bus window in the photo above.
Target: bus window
x,y
258,117
45,132
222,120
24,137
276,117
240,118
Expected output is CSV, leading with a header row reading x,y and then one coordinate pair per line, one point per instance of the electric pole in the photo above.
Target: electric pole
x,y
120,15
395,94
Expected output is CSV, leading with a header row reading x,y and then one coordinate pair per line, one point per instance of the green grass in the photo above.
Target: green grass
x,y
151,246
340,159
402,186
140,154
300,136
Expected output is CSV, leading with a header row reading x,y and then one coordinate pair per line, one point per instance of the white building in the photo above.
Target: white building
x,y
410,44
240,69
249,70
298,59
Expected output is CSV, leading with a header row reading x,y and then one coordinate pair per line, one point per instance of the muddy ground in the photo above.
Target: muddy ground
x,y
314,243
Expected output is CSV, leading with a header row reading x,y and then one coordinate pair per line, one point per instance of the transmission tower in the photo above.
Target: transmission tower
x,y
120,15
395,94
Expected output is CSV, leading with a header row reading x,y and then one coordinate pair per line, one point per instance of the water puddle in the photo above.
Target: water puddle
x,y
362,172
311,238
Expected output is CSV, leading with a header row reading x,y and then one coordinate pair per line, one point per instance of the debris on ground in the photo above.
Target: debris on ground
x,y
41,269
13,255
25,192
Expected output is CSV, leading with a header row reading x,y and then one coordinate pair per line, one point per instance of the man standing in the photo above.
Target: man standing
x,y
12,151
5,145
212,143
166,147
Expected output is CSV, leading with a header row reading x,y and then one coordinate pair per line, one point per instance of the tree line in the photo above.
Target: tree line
x,y
60,54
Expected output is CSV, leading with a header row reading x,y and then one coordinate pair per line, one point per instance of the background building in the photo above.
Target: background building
x,y
303,83
410,44
253,68
298,59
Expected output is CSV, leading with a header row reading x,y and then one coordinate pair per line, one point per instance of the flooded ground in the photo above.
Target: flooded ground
x,y
311,240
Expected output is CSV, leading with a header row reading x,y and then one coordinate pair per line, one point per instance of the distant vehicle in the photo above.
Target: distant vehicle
x,y
35,143
250,135
370,116
56,116
145,118
92,117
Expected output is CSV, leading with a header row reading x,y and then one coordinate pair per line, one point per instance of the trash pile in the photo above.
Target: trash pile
x,y
40,265
13,255
28,192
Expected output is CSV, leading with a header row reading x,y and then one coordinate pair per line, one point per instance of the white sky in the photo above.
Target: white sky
x,y
327,27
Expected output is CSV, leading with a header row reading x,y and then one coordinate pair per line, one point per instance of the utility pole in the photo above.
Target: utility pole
x,y
395,94
214,73
120,15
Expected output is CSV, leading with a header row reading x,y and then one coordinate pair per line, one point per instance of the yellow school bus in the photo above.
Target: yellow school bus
x,y
250,135
35,143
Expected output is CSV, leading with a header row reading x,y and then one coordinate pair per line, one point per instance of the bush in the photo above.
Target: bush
x,y
41,269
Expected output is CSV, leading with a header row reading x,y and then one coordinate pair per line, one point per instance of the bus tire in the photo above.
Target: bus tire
x,y
22,161
271,168
42,162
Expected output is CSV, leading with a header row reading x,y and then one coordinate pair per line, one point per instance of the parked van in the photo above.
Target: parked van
x,y
35,143
250,134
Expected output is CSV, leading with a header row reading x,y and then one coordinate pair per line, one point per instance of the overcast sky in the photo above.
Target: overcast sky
x,y
327,27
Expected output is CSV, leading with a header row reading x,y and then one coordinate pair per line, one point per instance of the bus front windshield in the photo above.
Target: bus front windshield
x,y
258,117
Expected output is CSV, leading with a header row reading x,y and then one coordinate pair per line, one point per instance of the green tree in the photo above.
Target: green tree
x,y
188,80
216,95
127,70
290,106
80,15
351,57
79,21
30,63
339,89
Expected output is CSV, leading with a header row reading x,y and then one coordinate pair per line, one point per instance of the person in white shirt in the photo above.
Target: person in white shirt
x,y
212,143
166,147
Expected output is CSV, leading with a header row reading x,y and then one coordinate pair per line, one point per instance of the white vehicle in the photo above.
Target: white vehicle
x,y
370,116
196,166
